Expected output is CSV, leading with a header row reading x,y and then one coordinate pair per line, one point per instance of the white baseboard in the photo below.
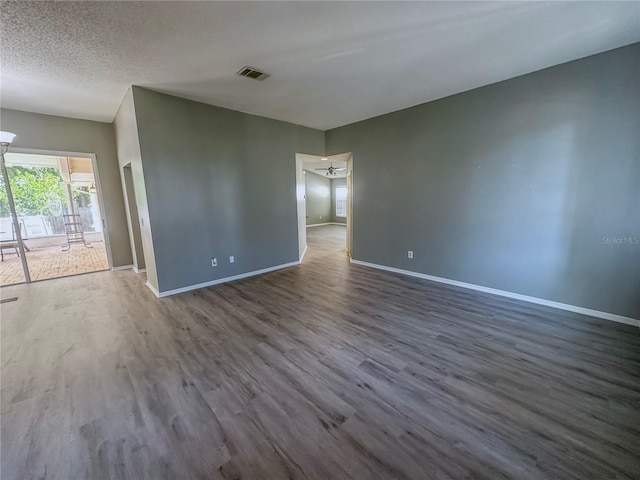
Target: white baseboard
x,y
540,301
121,267
303,253
153,289
218,281
139,270
328,223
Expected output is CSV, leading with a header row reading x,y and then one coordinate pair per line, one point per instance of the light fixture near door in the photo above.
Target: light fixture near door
x,y
251,72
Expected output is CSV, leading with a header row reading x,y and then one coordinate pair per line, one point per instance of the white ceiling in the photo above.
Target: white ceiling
x,y
311,162
331,63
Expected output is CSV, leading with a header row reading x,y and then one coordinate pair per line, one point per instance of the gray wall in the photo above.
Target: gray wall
x,y
511,186
318,198
48,132
218,183
336,182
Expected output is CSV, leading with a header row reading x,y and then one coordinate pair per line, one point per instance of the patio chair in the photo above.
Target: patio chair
x,y
10,244
13,243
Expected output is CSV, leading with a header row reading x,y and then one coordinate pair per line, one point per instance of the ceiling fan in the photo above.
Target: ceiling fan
x,y
331,170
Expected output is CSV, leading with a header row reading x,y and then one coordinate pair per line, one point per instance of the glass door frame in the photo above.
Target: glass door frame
x,y
14,216
96,176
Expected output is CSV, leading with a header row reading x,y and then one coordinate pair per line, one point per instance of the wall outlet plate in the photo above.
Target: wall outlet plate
x,y
410,254
214,262
232,259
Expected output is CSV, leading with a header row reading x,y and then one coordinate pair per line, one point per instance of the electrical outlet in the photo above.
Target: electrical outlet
x,y
214,262
231,259
410,254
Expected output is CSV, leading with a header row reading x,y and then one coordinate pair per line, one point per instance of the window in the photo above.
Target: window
x,y
341,201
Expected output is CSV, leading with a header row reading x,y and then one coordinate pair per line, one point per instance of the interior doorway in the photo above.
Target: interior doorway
x,y
59,214
133,219
324,202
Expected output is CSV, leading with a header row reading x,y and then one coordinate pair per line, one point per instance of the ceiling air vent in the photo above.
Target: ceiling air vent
x,y
252,73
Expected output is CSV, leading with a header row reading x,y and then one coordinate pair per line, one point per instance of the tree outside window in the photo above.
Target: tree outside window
x,y
35,191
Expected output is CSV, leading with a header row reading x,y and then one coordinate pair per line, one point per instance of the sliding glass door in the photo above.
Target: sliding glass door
x,y
59,218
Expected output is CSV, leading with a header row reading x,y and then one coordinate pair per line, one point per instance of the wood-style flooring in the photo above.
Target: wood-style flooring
x,y
323,371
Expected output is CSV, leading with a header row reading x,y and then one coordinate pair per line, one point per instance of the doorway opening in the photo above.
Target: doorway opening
x,y
133,219
324,202
59,214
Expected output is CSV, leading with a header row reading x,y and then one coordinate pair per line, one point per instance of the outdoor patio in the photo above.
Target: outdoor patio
x,y
51,262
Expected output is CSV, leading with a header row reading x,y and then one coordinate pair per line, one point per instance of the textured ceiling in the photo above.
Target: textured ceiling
x,y
330,63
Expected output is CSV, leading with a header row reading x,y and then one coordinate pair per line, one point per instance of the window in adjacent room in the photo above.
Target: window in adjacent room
x,y
341,201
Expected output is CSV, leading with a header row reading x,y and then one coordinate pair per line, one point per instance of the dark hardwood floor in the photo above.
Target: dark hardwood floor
x,y
323,371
